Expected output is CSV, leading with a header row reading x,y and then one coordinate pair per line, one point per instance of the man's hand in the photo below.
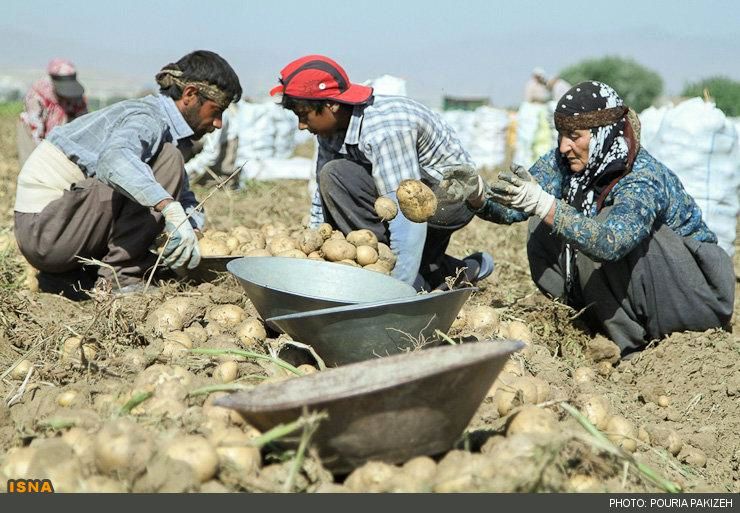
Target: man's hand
x,y
182,251
462,183
518,190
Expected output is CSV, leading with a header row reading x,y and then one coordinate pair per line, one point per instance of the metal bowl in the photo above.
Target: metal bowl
x,y
389,409
209,268
349,334
281,286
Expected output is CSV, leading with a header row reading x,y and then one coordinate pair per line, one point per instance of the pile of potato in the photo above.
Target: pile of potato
x,y
359,248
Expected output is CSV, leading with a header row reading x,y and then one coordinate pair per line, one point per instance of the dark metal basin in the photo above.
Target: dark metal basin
x,y
210,267
390,409
348,334
280,286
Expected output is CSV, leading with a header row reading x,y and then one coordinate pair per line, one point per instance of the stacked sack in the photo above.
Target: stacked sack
x,y
535,133
482,132
700,144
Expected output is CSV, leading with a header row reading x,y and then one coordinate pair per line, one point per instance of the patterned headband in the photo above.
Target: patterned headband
x,y
592,119
168,77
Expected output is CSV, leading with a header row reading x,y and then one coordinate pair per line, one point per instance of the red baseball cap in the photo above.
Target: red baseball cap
x,y
316,77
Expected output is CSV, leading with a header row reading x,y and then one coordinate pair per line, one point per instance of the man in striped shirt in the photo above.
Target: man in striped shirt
x,y
367,145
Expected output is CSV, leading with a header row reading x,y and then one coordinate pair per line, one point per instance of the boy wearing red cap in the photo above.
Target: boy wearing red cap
x,y
368,144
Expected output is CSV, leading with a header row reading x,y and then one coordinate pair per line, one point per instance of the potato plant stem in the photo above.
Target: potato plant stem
x,y
249,354
135,401
224,387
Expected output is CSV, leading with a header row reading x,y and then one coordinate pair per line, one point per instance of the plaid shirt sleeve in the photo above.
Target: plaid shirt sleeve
x,y
394,159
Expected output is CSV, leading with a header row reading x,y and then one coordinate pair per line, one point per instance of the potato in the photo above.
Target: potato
x,y
517,330
242,233
386,208
82,444
307,369
292,253
71,350
417,201
315,255
17,461
482,318
215,235
336,234
386,255
664,401
197,452
67,398
164,320
20,371
122,448
366,255
421,468
251,245
176,343
281,243
336,250
226,315
622,432
251,332
692,456
160,407
325,230
101,484
604,368
185,306
460,321
274,229
349,262
310,241
378,268
374,476
363,238
197,333
232,243
532,419
581,483
596,408
226,372
154,378
257,253
213,247
524,388
665,437
584,375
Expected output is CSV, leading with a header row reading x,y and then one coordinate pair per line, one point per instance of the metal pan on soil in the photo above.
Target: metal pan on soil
x,y
349,334
389,409
281,286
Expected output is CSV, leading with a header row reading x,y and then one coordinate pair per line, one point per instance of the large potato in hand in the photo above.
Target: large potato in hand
x,y
417,201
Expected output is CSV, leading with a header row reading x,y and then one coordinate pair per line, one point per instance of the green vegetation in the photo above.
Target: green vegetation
x,y
11,108
724,91
636,84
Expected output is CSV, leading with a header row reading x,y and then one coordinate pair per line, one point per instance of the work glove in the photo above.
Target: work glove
x,y
182,251
462,183
517,189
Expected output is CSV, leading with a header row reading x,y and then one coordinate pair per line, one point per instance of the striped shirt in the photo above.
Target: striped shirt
x,y
400,138
117,143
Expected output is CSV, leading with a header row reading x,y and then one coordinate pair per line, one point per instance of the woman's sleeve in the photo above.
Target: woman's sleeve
x,y
630,220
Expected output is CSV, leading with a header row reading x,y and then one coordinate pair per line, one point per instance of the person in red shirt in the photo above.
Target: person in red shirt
x,y
52,101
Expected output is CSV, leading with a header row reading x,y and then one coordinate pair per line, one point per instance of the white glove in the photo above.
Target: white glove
x,y
461,183
182,251
517,189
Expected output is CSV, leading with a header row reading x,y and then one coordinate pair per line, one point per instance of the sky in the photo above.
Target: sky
x,y
465,48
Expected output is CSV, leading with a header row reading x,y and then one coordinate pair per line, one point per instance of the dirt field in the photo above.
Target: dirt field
x,y
78,418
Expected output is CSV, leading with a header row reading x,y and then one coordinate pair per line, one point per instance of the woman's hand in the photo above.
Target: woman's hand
x,y
517,189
